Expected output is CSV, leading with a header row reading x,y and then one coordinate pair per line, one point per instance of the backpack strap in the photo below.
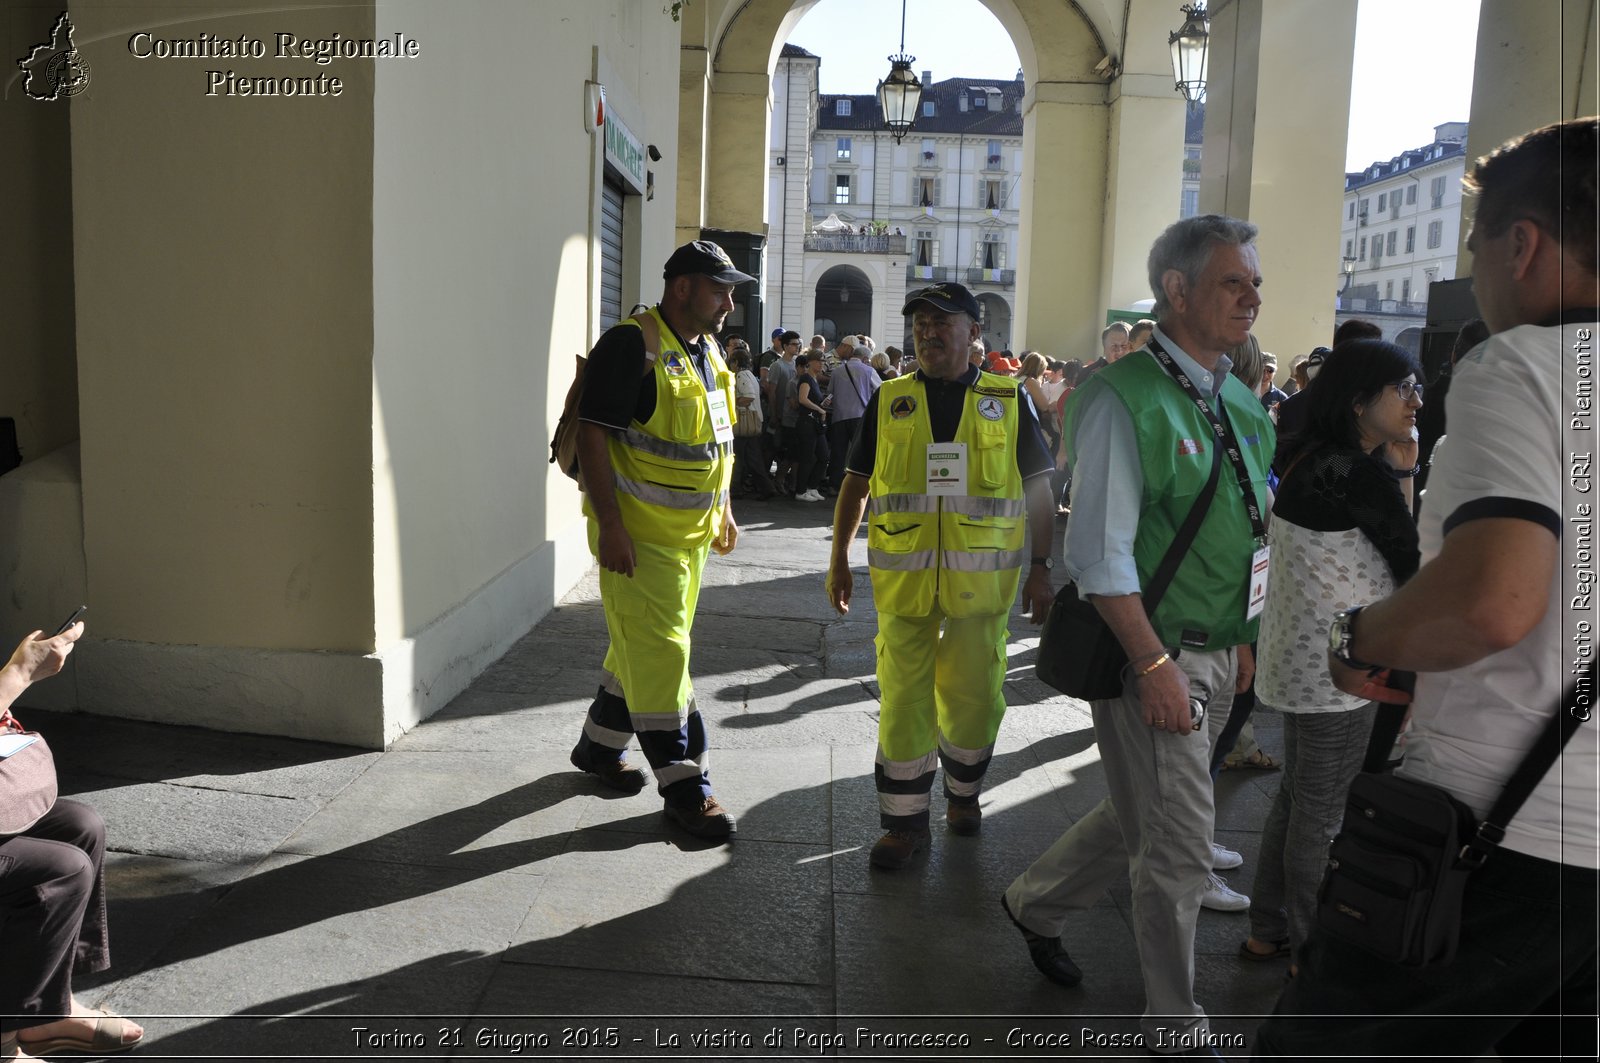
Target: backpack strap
x,y
652,338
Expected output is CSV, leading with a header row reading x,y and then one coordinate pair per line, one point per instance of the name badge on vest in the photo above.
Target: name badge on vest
x,y
1258,583
721,421
947,468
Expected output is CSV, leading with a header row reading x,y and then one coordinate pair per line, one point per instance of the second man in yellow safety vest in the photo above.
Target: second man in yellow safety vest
x,y
949,464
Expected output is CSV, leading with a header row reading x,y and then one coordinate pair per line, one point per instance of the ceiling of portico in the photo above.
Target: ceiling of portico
x,y
1056,40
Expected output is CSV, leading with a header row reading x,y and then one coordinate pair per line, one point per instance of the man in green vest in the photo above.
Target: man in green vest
x,y
655,449
952,459
1146,434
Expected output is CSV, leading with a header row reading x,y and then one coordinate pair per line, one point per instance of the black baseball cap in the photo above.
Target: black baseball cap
x,y
950,298
705,257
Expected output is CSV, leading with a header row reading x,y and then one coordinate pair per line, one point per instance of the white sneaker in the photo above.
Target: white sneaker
x,y
812,495
1223,858
1219,898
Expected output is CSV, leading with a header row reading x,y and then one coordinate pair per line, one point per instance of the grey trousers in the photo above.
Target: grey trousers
x,y
1322,752
1156,826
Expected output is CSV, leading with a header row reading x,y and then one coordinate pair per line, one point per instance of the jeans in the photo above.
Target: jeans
x,y
1322,752
1527,958
812,454
841,437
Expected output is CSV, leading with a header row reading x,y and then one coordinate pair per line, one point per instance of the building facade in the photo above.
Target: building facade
x,y
861,219
1399,232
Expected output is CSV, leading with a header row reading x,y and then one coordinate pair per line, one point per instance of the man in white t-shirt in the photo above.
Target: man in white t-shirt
x,y
1497,621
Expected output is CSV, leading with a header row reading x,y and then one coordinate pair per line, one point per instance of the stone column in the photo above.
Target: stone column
x,y
1535,65
1059,285
1277,108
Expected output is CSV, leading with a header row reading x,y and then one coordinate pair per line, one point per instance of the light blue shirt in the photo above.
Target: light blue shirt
x,y
1108,483
851,384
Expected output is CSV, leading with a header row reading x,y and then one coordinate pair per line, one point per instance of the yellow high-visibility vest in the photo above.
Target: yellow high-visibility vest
x,y
963,551
671,474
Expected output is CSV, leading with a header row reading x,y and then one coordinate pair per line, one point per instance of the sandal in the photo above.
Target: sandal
x,y
1279,950
1260,760
110,1029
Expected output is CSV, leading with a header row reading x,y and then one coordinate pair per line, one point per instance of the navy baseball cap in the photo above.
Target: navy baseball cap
x,y
779,331
950,298
705,257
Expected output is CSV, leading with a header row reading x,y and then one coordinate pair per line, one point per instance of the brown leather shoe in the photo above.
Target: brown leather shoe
x,y
708,819
963,818
895,849
616,773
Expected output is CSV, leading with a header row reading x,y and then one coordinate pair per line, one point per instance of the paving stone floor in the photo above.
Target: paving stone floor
x,y
466,889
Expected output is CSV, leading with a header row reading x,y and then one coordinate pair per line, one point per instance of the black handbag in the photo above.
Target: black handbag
x,y
1078,653
1397,871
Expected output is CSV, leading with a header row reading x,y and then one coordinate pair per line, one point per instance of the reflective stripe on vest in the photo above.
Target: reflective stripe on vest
x,y
661,448
961,553
672,498
966,505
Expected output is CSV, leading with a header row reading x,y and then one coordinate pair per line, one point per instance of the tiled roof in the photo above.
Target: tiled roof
x,y
1002,121
794,51
1405,162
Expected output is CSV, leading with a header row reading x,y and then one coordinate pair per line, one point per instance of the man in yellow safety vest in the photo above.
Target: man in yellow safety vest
x,y
655,449
952,460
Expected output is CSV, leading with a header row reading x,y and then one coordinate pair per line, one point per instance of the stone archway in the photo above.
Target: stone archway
x,y
1119,134
996,322
843,299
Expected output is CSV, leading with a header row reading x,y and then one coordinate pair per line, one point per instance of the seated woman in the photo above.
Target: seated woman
x,y
1342,535
52,903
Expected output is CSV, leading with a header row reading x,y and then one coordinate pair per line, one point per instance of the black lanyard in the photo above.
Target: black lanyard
x,y
1224,436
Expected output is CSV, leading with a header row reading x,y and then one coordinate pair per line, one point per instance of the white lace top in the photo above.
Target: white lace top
x,y
1315,574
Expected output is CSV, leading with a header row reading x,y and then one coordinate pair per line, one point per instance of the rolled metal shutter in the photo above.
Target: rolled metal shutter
x,y
610,253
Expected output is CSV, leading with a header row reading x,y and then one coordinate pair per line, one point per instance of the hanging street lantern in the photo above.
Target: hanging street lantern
x,y
1189,52
900,94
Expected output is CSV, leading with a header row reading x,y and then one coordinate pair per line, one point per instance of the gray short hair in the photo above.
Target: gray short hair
x,y
1186,247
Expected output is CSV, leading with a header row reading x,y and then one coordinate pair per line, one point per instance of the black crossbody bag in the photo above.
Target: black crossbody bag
x,y
1397,871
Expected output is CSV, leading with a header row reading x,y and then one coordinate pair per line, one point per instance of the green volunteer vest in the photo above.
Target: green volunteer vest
x,y
962,551
1207,596
671,474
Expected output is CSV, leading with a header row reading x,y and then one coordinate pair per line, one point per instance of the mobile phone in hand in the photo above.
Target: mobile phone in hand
x,y
69,621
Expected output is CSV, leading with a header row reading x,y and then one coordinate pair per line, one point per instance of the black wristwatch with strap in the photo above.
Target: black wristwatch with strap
x,y
1048,562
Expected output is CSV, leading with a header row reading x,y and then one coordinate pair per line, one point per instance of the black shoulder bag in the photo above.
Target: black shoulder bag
x,y
1397,872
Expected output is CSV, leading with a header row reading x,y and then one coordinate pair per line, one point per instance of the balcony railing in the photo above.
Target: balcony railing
x,y
877,245
1003,277
1382,306
933,274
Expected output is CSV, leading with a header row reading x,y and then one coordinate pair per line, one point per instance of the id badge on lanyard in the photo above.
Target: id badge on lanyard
x,y
1259,564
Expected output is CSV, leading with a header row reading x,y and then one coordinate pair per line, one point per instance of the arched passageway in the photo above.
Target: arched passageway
x,y
844,303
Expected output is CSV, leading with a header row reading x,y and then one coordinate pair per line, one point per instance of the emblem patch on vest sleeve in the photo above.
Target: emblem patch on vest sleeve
x,y
902,407
990,408
674,365
1190,446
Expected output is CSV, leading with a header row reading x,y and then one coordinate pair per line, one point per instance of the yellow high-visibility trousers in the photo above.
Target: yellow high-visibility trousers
x,y
646,689
943,697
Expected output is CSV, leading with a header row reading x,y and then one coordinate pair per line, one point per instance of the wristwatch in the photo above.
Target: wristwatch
x,y
1048,562
1340,632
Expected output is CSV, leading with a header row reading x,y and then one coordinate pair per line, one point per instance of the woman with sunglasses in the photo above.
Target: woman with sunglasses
x,y
1342,535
